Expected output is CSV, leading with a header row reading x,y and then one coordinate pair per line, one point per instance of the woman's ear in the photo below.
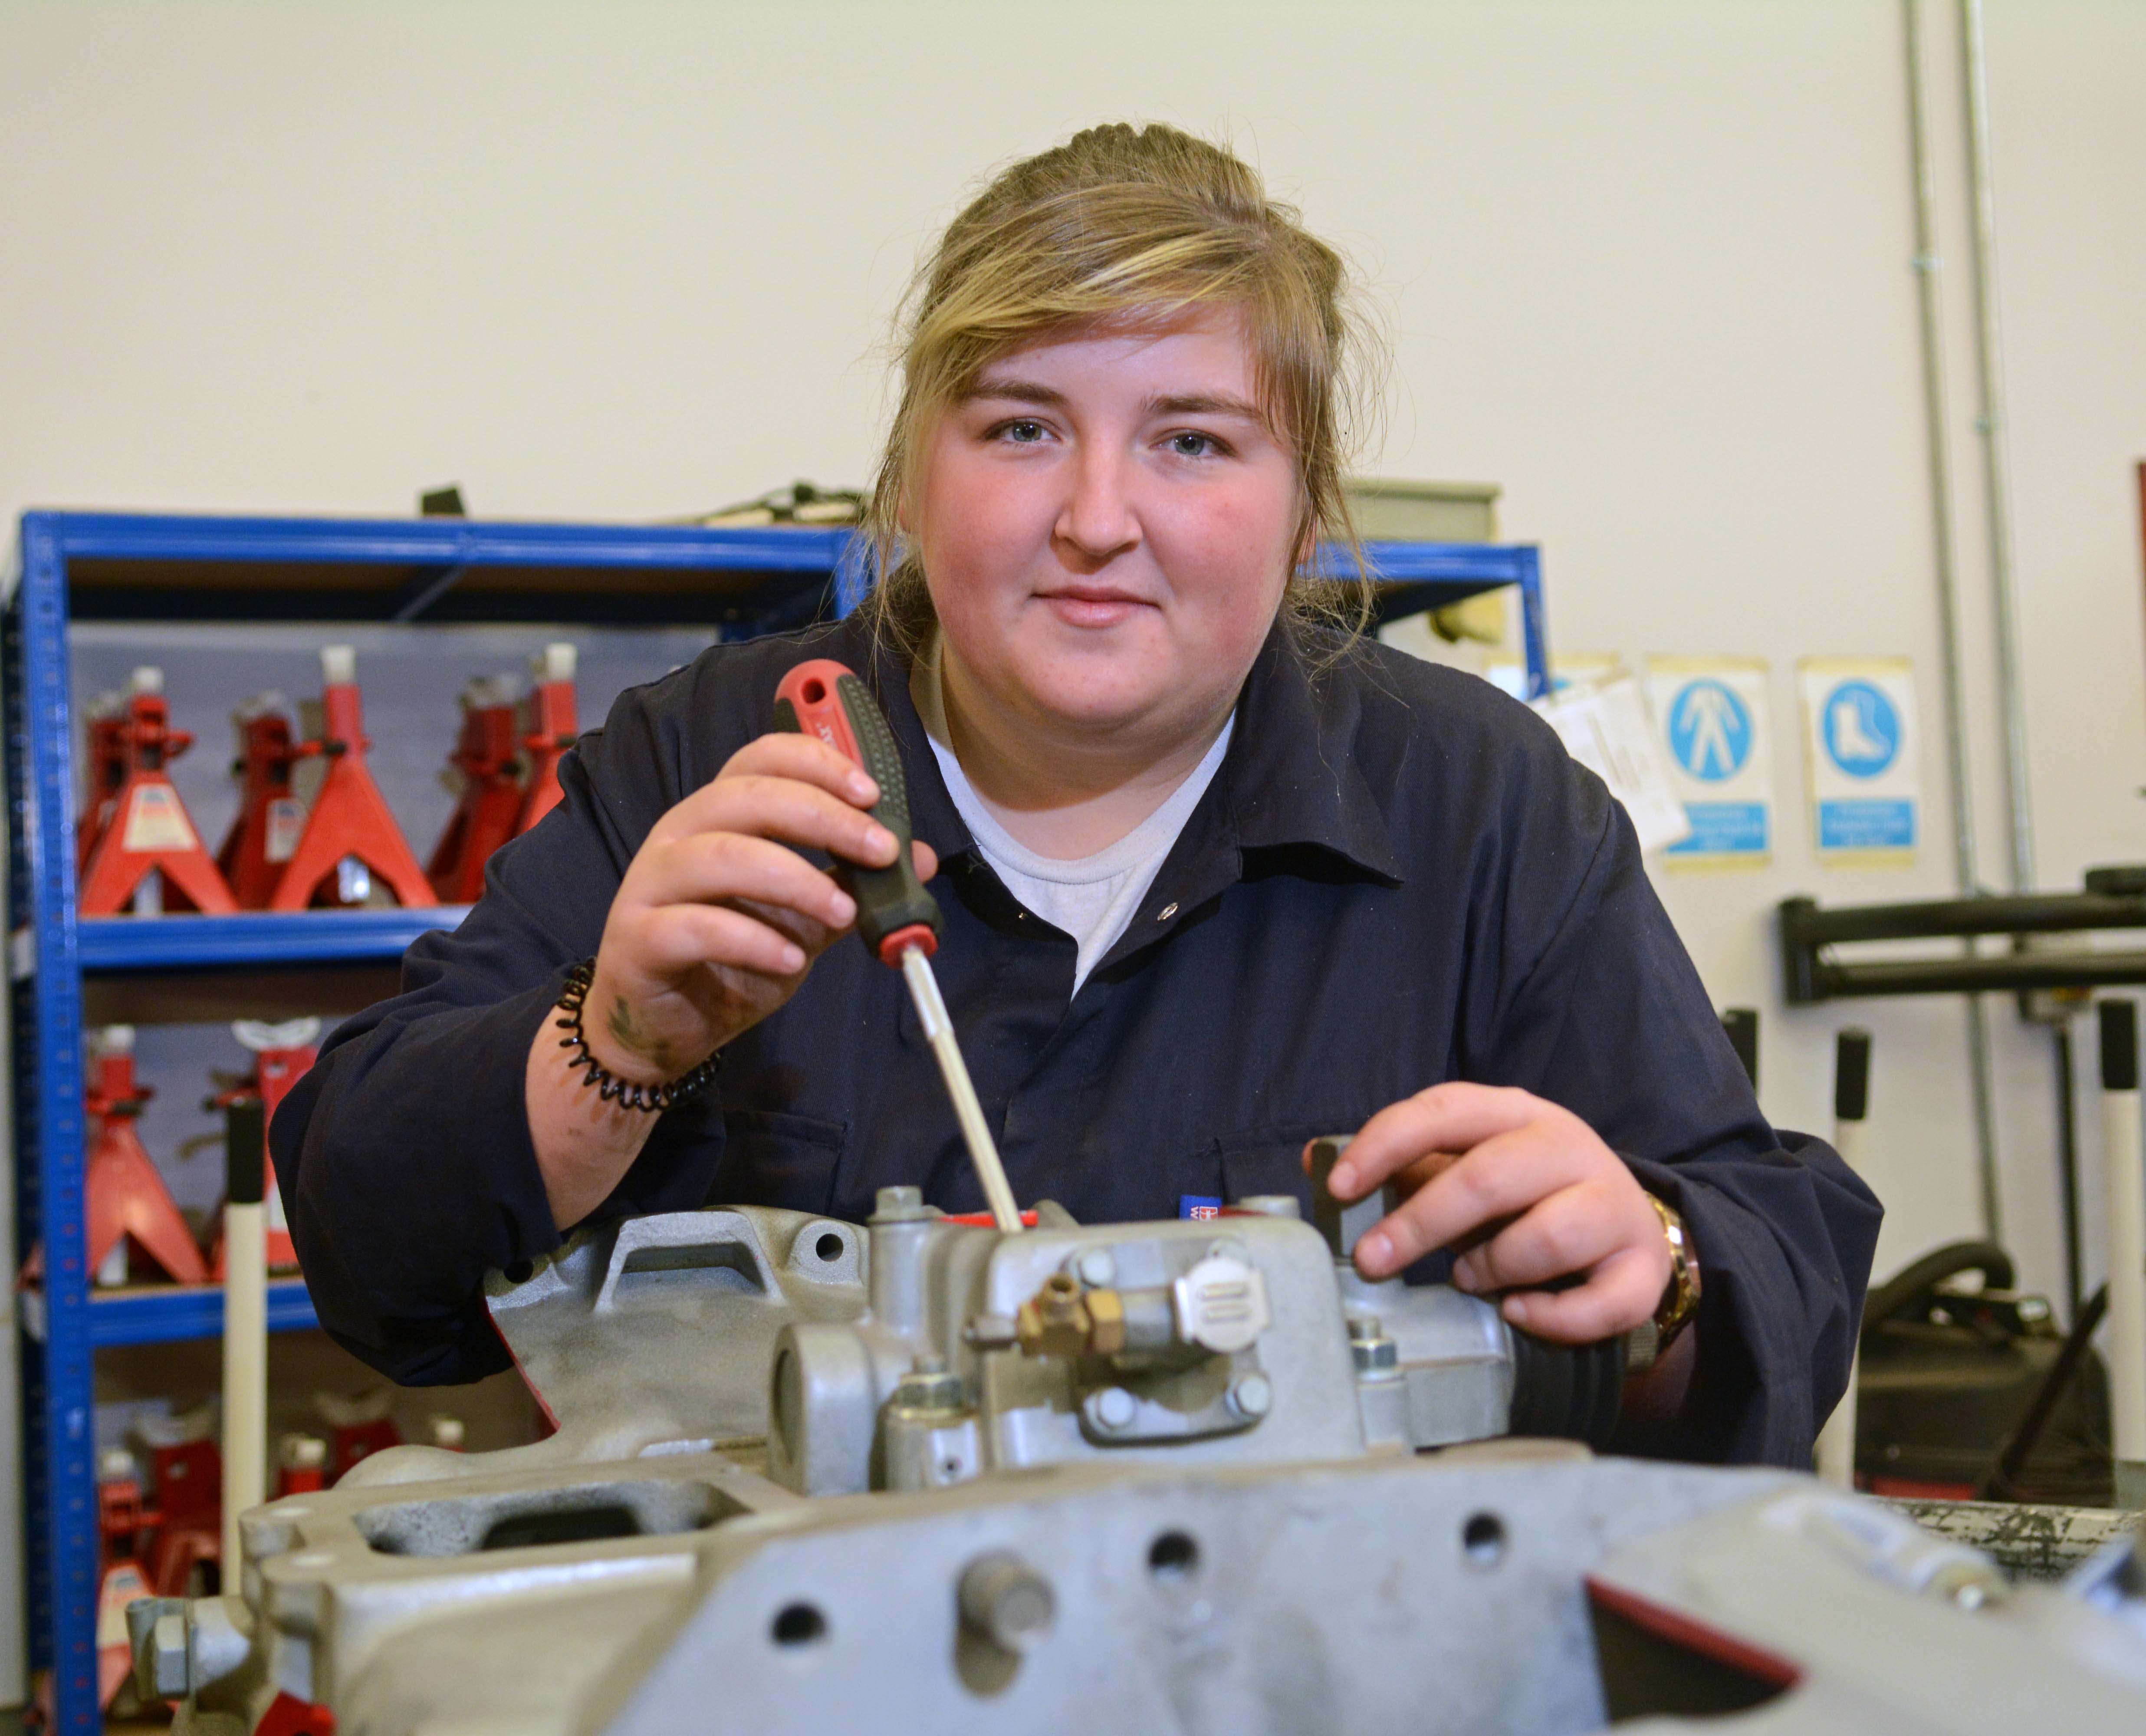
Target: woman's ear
x,y
1307,544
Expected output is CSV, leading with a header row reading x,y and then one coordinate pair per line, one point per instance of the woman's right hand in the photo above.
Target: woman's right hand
x,y
718,919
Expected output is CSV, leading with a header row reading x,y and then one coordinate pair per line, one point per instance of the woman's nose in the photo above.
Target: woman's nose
x,y
1097,521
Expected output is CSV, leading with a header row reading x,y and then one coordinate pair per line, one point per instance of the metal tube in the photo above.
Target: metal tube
x,y
1989,426
939,1032
2068,1167
245,1369
1924,919
2011,972
1957,767
245,1319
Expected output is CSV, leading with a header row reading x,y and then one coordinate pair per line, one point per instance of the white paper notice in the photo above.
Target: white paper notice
x,y
1862,744
1711,716
1607,730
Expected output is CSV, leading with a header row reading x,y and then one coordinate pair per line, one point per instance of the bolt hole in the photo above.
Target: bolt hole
x,y
816,689
798,1624
828,1247
1173,1557
520,1271
1483,1538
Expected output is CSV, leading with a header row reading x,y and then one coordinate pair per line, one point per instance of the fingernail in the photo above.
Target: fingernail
x,y
862,789
1463,1278
1375,1250
880,841
793,958
1341,1179
843,908
1516,1309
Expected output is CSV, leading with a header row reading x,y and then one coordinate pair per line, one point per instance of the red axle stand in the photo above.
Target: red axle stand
x,y
350,820
107,770
271,820
551,730
148,831
487,759
125,1195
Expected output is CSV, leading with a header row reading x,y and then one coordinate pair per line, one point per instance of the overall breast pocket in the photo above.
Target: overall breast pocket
x,y
771,1158
1270,1159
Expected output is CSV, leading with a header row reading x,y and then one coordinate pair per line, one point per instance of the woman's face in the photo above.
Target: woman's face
x,y
1106,525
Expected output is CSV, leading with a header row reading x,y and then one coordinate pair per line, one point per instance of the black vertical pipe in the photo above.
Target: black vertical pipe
x,y
2119,1044
245,1151
2067,1164
1851,1075
1742,1025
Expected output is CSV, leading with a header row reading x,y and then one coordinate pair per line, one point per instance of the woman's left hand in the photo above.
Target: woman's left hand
x,y
1528,1191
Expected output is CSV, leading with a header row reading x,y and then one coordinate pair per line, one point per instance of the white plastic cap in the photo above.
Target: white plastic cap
x,y
555,662
446,1431
257,1034
304,1452
148,681
116,1040
491,690
261,705
339,665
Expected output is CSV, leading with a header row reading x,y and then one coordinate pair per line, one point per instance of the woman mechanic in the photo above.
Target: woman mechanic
x,y
1216,878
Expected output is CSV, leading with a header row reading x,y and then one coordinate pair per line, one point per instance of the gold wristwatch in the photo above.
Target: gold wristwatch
x,y
1680,1299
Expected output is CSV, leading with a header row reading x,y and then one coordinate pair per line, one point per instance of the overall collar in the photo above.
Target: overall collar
x,y
1290,779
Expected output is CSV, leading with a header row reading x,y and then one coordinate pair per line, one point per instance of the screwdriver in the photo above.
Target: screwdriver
x,y
897,919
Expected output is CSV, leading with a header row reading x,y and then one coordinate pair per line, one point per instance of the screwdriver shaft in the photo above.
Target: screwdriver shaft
x,y
939,1032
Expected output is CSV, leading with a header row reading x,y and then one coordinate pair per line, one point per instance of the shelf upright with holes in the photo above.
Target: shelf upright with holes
x,y
138,568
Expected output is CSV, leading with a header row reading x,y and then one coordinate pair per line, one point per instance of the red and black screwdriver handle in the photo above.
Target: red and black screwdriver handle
x,y
823,698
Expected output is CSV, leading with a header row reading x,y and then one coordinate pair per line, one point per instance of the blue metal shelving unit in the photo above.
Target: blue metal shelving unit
x,y
319,937
118,566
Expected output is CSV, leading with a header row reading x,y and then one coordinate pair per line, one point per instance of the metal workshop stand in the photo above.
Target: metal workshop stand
x,y
140,568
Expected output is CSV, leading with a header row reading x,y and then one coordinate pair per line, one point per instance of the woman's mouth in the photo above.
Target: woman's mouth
x,y
1093,606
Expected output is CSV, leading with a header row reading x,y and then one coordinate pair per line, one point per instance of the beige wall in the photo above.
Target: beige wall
x,y
1646,264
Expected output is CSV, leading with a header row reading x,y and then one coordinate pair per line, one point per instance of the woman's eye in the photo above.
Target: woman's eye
x,y
1021,433
1192,444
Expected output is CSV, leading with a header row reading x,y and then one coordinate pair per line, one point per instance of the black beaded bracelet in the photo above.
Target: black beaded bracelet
x,y
649,1099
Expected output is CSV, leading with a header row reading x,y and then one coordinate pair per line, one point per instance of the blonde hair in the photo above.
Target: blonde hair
x,y
1133,225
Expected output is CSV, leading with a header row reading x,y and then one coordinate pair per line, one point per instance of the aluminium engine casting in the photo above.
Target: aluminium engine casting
x,y
807,1477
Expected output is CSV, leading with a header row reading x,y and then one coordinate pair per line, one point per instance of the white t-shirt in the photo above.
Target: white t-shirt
x,y
1091,898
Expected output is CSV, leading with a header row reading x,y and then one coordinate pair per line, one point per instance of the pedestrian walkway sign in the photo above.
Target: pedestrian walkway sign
x,y
1711,713
1859,744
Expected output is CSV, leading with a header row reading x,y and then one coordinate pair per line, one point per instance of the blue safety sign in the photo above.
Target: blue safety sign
x,y
1709,731
1861,728
1859,740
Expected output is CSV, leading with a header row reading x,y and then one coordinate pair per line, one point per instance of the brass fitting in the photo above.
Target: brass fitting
x,y
1063,1319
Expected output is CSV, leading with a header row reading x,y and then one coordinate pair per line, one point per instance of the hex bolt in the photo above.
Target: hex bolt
x,y
1116,1407
1377,1357
1968,1584
1096,1269
1252,1395
157,1634
1271,1206
168,1646
991,1331
1005,1601
899,1205
930,1386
